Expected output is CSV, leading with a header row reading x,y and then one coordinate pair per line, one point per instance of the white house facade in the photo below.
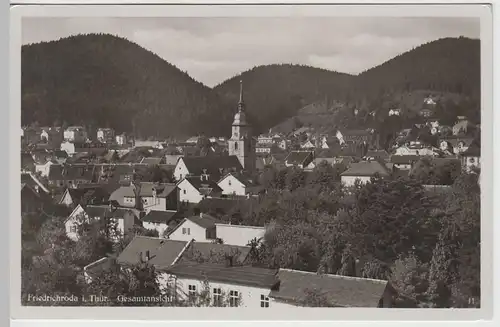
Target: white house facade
x,y
181,170
230,185
237,234
351,180
187,231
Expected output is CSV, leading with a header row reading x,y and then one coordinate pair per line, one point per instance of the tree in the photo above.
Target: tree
x,y
409,276
389,218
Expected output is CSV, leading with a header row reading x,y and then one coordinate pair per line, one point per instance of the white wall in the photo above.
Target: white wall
x,y
250,296
71,222
43,169
68,147
231,185
350,180
66,199
150,203
196,232
160,227
180,170
238,235
188,193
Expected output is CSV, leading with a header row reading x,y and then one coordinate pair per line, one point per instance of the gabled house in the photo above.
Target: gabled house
x,y
199,228
126,218
355,136
214,166
161,221
364,171
425,112
307,145
238,184
84,196
462,127
404,162
31,180
33,199
153,196
195,188
70,175
471,158
394,112
299,159
455,145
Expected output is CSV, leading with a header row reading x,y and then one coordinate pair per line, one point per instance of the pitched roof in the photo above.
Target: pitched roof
x,y
212,164
217,204
146,190
162,252
104,210
95,194
71,172
26,160
151,161
163,217
377,154
204,220
242,275
366,168
203,186
472,151
298,157
31,180
341,291
405,159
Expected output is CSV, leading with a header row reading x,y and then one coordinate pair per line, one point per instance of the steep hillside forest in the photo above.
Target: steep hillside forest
x,y
103,80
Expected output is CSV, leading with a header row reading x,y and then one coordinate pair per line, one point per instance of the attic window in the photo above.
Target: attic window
x,y
229,182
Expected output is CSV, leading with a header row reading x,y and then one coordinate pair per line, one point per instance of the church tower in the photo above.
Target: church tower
x,y
241,143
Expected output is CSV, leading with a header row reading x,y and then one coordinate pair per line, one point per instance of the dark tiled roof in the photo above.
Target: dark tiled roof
x,y
29,180
71,172
404,160
366,168
162,252
356,132
377,154
204,187
162,189
298,157
95,194
206,249
205,221
104,210
241,275
217,204
341,291
212,164
473,151
152,161
164,217
26,160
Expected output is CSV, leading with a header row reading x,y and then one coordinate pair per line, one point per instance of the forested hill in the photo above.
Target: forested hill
x,y
446,65
106,80
275,92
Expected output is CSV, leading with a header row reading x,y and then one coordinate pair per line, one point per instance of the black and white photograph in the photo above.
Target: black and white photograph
x,y
264,162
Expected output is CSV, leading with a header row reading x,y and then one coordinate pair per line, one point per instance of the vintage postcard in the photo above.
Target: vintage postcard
x,y
251,162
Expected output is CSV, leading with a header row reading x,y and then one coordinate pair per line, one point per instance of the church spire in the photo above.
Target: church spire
x,y
241,104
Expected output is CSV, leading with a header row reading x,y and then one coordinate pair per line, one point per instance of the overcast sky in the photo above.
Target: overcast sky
x,y
214,49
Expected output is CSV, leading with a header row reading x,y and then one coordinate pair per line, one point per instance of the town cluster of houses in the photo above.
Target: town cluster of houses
x,y
90,179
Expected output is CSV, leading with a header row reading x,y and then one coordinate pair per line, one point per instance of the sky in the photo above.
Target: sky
x,y
212,50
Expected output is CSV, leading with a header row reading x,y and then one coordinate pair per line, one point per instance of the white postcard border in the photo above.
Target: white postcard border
x,y
235,314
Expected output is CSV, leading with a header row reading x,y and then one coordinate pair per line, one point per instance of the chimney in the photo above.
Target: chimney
x,y
229,261
147,255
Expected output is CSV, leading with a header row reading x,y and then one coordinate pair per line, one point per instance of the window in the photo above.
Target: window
x,y
264,301
192,292
229,183
234,298
72,229
184,191
235,146
217,297
186,231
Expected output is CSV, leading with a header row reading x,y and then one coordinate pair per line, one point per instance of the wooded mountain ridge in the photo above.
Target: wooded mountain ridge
x,y
104,80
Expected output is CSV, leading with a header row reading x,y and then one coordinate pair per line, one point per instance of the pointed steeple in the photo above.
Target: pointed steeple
x,y
241,104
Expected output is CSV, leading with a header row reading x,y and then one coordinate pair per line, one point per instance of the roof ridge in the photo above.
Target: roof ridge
x,y
335,276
